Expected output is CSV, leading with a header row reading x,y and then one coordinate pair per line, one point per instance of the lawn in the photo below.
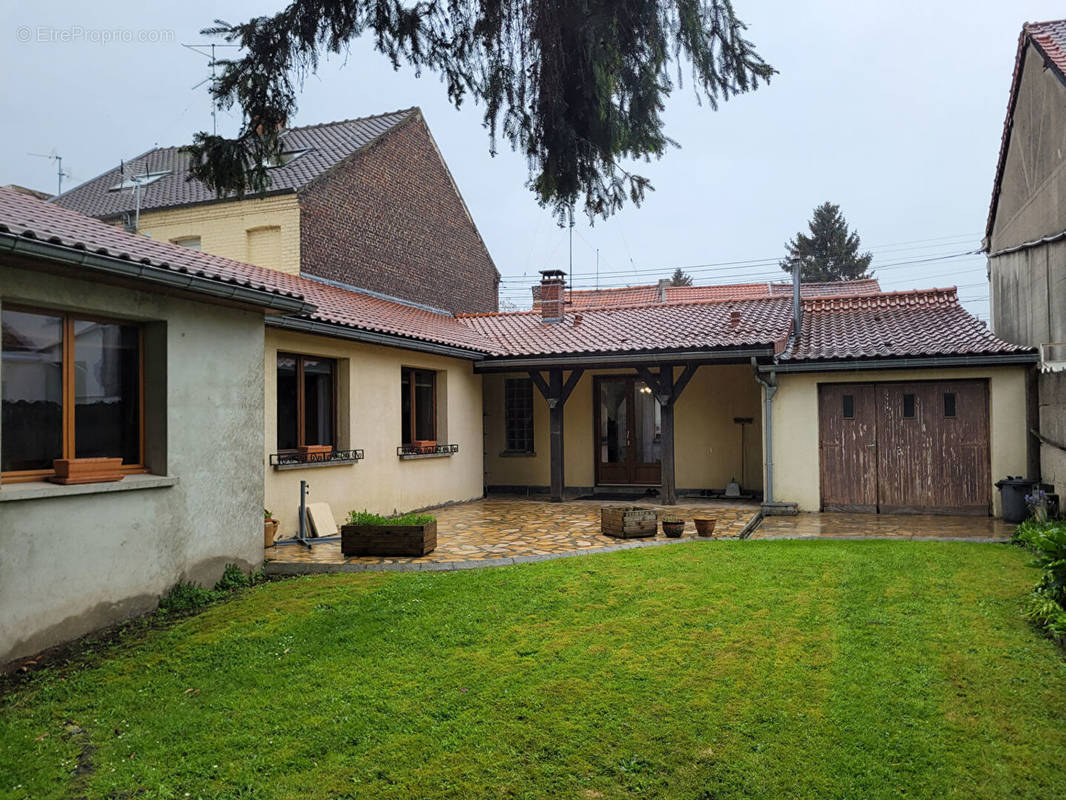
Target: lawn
x,y
704,670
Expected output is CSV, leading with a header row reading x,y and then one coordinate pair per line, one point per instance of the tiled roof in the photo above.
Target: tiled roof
x,y
647,295
326,144
1050,39
26,216
615,329
921,323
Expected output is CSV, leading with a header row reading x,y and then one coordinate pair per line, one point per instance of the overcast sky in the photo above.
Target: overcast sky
x,y
892,110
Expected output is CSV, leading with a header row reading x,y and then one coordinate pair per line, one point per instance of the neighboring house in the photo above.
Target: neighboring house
x,y
665,292
114,345
896,401
366,202
1026,234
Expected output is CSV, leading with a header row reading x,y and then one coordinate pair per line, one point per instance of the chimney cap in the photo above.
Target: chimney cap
x,y
551,275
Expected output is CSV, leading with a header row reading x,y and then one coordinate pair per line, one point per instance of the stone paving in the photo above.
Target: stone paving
x,y
927,527
499,531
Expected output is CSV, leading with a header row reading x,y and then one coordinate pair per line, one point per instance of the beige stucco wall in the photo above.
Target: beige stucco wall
x,y
71,564
369,420
707,441
224,229
795,428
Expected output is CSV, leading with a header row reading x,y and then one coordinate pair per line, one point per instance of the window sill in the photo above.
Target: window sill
x,y
43,490
337,462
518,454
420,456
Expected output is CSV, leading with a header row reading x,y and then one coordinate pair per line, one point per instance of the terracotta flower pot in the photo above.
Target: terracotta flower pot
x,y
270,530
705,525
673,528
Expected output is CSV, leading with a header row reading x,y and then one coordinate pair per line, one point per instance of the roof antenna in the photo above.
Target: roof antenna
x,y
60,174
213,80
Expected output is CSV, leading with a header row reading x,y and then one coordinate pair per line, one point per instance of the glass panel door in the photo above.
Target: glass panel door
x,y
614,433
629,428
647,435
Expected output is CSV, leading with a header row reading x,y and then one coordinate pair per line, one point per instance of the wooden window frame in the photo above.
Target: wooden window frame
x,y
507,418
68,400
301,399
410,373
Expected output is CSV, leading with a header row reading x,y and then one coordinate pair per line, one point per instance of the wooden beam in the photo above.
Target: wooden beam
x,y
540,383
555,433
666,418
682,382
650,378
571,383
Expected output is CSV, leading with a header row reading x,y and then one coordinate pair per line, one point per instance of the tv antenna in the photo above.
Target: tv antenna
x,y
60,174
212,62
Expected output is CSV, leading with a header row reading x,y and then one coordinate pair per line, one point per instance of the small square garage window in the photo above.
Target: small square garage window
x,y
849,406
908,406
949,404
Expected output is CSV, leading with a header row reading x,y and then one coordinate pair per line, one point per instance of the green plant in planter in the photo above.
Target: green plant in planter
x,y
268,514
364,517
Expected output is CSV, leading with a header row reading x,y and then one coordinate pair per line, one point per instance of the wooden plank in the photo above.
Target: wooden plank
x,y
683,379
571,383
540,383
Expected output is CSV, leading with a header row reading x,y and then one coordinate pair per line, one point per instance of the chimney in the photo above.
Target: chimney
x,y
663,283
552,286
734,319
797,300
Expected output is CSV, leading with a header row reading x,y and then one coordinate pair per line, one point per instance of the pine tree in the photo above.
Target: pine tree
x,y
680,278
830,252
576,86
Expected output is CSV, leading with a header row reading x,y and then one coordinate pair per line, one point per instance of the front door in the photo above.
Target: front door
x,y
629,432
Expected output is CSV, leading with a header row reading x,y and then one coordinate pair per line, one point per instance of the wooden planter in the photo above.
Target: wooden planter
x,y
389,540
316,451
270,530
705,525
628,522
86,470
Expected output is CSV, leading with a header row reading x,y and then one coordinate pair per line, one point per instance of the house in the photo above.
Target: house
x,y
1025,236
115,345
890,402
363,202
665,292
363,218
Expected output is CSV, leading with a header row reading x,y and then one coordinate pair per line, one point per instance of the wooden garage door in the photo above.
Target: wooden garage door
x,y
919,447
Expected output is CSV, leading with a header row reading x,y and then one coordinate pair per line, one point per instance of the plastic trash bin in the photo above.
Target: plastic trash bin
x,y
1013,491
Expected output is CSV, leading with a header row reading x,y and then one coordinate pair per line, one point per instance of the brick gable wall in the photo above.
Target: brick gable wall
x,y
390,220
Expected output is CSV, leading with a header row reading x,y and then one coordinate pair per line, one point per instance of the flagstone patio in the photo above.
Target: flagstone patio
x,y
499,531
926,527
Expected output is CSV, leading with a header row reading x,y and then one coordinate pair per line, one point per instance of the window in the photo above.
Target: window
x,y
849,406
908,406
949,404
72,388
518,415
139,179
191,242
306,401
284,158
418,404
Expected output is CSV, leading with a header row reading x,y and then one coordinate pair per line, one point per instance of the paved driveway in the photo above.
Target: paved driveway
x,y
927,527
500,531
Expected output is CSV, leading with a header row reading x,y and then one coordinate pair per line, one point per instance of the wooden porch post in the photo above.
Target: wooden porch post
x,y
556,392
667,392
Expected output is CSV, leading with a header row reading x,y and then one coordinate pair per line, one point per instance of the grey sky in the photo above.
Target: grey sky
x,y
892,110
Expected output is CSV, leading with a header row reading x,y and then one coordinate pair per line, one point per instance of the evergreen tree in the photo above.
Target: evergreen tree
x,y
680,278
577,86
830,252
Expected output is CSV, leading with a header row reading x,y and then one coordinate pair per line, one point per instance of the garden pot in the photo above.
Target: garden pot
x,y
316,452
270,530
425,445
673,529
627,522
705,525
389,540
86,470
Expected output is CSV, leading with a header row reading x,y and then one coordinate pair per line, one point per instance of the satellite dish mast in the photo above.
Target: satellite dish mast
x,y
212,62
60,174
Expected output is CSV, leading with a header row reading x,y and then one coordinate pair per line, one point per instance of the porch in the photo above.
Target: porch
x,y
505,530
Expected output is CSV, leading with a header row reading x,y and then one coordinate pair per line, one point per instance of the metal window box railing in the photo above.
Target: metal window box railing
x,y
422,451
295,460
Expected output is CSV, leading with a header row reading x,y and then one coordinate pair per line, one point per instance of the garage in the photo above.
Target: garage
x,y
918,447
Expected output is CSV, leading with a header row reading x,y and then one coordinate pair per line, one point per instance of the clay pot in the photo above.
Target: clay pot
x,y
673,529
705,525
270,530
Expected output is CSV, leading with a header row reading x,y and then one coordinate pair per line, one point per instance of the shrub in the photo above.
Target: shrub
x,y
185,597
366,518
232,579
1046,604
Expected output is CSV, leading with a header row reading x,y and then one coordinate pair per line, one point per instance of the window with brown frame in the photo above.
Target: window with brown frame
x,y
72,387
307,391
518,415
418,404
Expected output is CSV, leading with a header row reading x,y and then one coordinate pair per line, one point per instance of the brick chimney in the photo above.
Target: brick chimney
x,y
664,283
552,301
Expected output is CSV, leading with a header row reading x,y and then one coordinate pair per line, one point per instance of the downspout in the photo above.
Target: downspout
x,y
769,384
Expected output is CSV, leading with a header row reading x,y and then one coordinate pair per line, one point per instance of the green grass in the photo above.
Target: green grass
x,y
706,670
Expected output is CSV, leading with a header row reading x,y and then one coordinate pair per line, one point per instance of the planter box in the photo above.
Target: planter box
x,y
628,522
86,470
388,540
316,450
